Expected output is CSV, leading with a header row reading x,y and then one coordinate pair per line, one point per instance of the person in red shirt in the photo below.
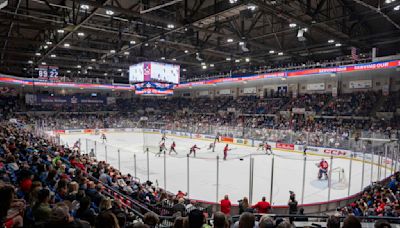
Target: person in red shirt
x,y
172,148
180,194
226,149
226,205
262,207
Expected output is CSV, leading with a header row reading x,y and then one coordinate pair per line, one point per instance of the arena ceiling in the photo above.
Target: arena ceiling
x,y
102,38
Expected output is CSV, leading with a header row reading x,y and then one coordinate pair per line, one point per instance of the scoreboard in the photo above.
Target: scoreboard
x,y
154,72
48,73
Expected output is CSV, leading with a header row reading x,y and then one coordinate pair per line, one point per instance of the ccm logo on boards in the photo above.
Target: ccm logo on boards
x,y
335,152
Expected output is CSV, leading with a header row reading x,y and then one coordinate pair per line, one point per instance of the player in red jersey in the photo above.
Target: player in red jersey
x,y
268,149
162,149
172,148
323,169
193,150
226,149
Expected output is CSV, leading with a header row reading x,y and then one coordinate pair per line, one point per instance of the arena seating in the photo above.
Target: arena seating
x,y
51,181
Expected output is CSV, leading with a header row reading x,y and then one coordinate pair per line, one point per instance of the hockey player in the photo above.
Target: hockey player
x,y
193,150
162,149
216,138
323,169
226,149
77,145
211,146
305,150
261,146
163,137
268,149
172,148
103,137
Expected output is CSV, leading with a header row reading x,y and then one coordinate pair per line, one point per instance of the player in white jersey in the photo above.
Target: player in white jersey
x,y
103,137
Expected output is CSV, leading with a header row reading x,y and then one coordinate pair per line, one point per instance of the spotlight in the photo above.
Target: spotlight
x,y
53,55
109,12
331,41
81,34
292,25
170,26
85,7
67,45
338,44
38,54
61,31
229,40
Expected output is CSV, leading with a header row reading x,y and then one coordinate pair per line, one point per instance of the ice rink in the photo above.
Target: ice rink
x,y
234,173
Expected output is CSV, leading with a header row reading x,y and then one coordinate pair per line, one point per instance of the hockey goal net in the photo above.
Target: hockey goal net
x,y
338,179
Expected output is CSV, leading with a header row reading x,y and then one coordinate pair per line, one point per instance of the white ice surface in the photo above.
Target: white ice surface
x,y
233,173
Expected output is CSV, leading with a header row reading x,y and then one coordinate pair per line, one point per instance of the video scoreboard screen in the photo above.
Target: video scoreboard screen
x,y
154,72
48,73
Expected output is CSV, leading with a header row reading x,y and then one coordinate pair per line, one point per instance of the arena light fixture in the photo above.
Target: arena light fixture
x,y
163,58
271,51
38,54
389,1
280,53
331,41
132,42
247,60
30,61
251,7
186,51
173,59
233,1
170,26
184,70
45,46
338,44
90,67
53,55
43,63
203,63
212,65
85,7
49,43
228,59
68,71
229,40
237,60
67,45
292,25
81,34
109,12
241,43
105,74
119,70
204,67
78,66
93,60
146,44
112,51
126,52
397,8
61,31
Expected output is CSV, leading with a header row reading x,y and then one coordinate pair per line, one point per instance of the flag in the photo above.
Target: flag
x,y
354,55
